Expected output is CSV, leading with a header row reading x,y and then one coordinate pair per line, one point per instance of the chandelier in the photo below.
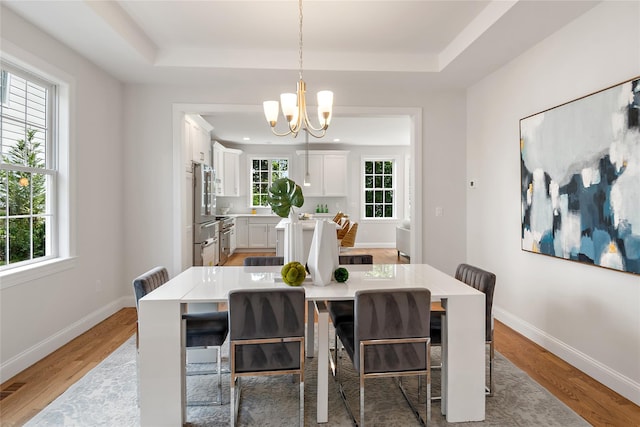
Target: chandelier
x,y
294,105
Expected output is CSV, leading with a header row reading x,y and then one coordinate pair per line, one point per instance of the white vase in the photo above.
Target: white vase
x,y
293,248
323,255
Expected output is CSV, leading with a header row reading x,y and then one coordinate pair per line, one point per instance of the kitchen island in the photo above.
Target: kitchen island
x,y
308,228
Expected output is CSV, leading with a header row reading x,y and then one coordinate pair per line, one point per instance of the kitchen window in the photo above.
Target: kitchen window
x,y
379,188
263,172
28,169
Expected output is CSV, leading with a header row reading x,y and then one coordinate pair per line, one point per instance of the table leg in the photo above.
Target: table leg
x,y
323,363
161,364
310,340
464,371
444,357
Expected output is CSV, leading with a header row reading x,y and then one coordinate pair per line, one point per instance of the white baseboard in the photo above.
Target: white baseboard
x,y
614,380
45,347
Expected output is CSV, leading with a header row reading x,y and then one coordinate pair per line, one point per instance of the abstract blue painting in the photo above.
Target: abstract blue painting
x,y
580,179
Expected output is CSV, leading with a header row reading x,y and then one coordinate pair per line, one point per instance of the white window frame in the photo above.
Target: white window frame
x,y
61,238
270,158
363,189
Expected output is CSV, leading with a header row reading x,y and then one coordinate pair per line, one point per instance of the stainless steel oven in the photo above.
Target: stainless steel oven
x,y
206,244
227,223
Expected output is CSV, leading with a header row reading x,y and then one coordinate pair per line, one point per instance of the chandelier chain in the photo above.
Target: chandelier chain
x,y
300,44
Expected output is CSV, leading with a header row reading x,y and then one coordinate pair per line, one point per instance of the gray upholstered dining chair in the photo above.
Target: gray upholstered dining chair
x,y
389,337
207,329
266,336
342,310
355,259
485,282
263,260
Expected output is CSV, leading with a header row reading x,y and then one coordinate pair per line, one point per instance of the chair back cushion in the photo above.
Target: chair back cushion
x,y
149,281
388,314
356,259
263,260
266,313
483,281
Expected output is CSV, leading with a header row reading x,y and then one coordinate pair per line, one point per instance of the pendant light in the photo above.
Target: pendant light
x,y
294,105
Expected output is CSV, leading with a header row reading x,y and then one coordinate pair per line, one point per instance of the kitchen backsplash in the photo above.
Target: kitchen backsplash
x,y
240,205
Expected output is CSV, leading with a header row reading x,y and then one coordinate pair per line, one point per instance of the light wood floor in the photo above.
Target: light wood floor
x,y
30,391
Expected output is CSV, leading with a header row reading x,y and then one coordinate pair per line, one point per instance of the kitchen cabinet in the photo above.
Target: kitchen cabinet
x,y
198,138
187,220
272,236
226,162
233,241
328,173
218,167
242,232
258,237
187,150
231,184
262,231
308,229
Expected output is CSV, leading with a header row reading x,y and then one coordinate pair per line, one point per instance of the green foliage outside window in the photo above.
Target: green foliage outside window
x,y
23,203
378,189
263,173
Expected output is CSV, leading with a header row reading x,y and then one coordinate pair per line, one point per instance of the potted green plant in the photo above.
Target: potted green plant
x,y
284,194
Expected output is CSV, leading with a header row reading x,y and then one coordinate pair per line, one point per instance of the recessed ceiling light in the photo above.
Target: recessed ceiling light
x,y
336,140
246,138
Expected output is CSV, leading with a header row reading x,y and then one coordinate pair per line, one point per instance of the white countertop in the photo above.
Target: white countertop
x,y
307,224
267,215
272,215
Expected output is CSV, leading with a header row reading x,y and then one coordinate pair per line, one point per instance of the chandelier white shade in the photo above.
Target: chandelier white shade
x,y
294,105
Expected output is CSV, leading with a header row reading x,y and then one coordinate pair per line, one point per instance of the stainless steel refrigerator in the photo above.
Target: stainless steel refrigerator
x,y
206,242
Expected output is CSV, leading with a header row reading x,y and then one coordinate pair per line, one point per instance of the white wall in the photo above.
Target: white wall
x,y
587,315
443,174
40,315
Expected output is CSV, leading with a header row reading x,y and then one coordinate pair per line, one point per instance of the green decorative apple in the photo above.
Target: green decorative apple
x,y
284,193
293,273
341,274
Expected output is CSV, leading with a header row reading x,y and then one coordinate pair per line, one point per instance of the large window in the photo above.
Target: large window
x,y
263,172
379,188
27,168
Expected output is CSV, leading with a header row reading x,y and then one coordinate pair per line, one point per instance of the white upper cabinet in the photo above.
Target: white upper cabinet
x,y
187,151
334,178
231,173
197,139
226,162
327,170
218,167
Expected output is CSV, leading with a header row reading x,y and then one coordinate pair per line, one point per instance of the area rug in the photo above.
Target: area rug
x,y
107,396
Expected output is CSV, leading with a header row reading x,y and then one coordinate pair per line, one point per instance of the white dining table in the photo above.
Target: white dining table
x,y
161,357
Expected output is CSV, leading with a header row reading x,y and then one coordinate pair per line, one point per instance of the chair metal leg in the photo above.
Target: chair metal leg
x,y
362,423
301,409
440,368
218,372
234,397
333,361
343,396
219,352
416,413
489,390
